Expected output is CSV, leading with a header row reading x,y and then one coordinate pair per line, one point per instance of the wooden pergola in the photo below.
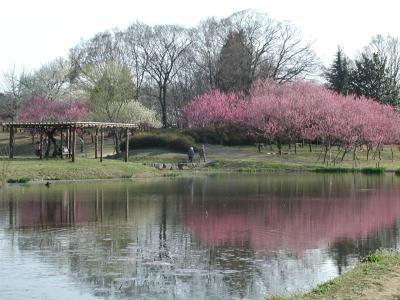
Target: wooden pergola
x,y
70,129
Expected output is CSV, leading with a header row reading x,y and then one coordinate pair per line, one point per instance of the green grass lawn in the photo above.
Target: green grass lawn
x,y
83,168
219,158
248,157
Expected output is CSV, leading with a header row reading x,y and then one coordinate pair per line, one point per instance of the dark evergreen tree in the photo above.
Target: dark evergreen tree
x,y
338,75
371,78
233,68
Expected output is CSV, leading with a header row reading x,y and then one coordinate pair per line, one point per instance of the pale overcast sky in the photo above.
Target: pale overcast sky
x,y
34,32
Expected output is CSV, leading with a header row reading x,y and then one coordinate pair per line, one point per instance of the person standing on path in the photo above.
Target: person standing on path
x,y
202,153
190,154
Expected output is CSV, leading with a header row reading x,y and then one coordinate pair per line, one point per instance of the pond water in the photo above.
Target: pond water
x,y
211,237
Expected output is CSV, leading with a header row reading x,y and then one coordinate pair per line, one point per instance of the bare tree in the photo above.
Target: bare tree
x,y
292,58
166,46
209,38
277,49
15,91
51,81
94,55
388,49
135,39
274,49
262,34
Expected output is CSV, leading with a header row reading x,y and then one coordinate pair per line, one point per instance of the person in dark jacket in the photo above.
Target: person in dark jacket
x,y
190,154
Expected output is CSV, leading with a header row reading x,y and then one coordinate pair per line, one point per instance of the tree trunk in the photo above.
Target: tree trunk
x,y
54,142
344,153
164,106
47,152
391,149
116,141
330,152
325,153
379,152
279,145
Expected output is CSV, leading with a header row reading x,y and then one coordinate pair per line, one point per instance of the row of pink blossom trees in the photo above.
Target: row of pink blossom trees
x,y
298,112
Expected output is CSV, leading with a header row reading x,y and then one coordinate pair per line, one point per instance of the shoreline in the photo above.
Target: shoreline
x,y
375,277
87,169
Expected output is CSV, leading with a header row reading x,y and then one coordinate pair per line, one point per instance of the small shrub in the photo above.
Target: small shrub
x,y
371,258
335,170
397,172
24,180
19,180
172,140
181,143
204,135
373,170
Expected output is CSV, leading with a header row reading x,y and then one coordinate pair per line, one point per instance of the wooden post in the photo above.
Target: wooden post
x,y
69,141
96,140
126,144
12,142
101,143
41,145
62,144
73,143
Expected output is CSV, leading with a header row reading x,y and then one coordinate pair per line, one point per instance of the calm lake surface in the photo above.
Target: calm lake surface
x,y
215,237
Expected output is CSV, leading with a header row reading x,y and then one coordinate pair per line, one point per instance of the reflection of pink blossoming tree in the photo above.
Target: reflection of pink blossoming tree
x,y
309,224
39,109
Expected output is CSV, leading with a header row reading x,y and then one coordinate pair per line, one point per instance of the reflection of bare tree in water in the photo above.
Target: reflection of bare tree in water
x,y
236,265
127,204
344,249
11,212
163,253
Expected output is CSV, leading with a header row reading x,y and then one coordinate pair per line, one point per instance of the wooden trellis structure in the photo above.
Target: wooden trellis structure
x,y
70,128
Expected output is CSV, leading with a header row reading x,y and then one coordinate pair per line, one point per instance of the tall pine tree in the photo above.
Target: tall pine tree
x,y
233,68
371,78
338,75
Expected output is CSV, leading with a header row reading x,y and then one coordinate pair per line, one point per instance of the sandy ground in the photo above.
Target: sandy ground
x,y
388,287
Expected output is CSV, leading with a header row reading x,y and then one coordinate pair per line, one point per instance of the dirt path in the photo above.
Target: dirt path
x,y
387,287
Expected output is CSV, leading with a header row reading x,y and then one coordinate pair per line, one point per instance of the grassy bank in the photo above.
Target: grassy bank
x,y
219,159
83,168
377,277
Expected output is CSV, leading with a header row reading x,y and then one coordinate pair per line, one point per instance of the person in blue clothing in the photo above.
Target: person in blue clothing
x,y
190,154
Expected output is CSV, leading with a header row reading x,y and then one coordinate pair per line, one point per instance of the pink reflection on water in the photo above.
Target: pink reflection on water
x,y
31,213
295,225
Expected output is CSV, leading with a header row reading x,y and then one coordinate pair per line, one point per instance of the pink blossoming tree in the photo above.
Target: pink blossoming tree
x,y
299,111
38,109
